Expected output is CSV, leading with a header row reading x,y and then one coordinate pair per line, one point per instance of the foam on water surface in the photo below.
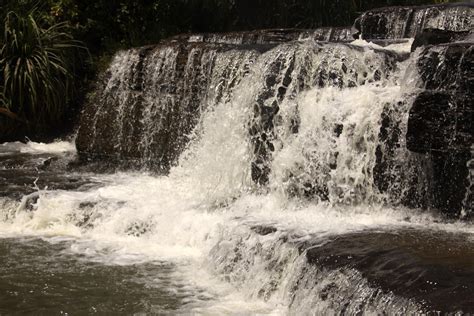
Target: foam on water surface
x,y
30,147
134,219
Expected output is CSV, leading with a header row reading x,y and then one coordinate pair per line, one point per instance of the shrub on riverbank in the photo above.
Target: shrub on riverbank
x,y
38,65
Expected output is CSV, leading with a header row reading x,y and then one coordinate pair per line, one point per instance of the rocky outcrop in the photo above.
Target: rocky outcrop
x,y
401,262
399,271
143,111
437,36
271,36
144,108
441,122
295,69
406,22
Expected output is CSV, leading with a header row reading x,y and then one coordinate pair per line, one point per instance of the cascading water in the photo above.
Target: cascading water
x,y
287,172
406,22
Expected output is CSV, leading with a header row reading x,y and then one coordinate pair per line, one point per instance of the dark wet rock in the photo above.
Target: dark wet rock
x,y
47,163
23,174
440,124
87,205
271,36
449,182
448,67
436,121
406,22
264,230
468,202
432,268
437,36
138,229
143,111
284,77
85,216
386,170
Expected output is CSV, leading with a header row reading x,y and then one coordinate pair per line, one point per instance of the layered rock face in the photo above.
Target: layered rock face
x,y
271,36
145,107
441,122
407,22
325,119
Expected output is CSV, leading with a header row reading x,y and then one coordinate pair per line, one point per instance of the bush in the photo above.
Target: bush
x,y
38,67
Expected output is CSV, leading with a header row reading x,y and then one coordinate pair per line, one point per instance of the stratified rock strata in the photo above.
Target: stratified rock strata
x,y
441,122
406,22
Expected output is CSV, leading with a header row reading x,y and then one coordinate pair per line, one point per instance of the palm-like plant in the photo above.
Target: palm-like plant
x,y
36,69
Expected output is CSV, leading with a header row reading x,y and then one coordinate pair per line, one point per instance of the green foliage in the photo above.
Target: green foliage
x,y
37,66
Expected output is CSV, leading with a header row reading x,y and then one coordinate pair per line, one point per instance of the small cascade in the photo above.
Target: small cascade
x,y
301,119
330,34
407,22
340,274
287,104
272,36
160,93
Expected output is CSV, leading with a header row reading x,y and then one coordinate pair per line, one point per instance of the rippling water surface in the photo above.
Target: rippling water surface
x,y
132,243
41,276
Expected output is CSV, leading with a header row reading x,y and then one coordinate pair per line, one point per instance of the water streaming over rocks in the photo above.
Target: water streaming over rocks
x,y
271,172
406,22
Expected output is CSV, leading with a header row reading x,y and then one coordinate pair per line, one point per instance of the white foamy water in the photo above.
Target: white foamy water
x,y
39,148
139,218
402,47
201,216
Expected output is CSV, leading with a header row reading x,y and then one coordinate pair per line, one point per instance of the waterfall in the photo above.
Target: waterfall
x,y
282,112
288,172
161,94
407,22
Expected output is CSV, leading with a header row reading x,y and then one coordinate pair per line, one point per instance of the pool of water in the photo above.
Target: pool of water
x,y
39,276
